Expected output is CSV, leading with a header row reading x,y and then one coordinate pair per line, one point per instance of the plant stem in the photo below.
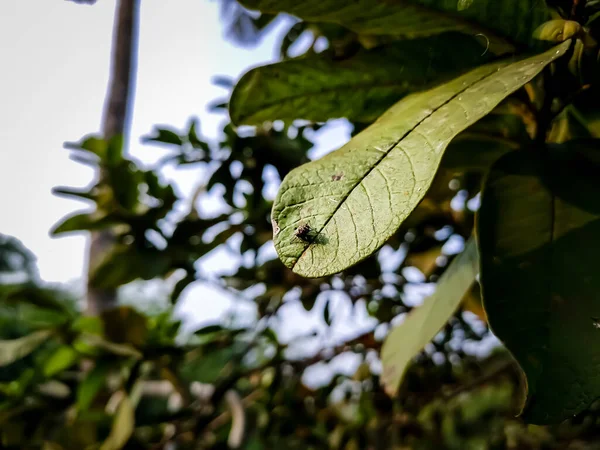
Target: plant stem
x,y
115,123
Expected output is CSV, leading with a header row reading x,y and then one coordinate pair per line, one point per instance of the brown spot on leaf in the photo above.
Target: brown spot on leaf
x,y
275,227
337,177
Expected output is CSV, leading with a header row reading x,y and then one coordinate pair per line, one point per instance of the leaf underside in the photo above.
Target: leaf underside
x,y
355,198
422,324
538,231
360,88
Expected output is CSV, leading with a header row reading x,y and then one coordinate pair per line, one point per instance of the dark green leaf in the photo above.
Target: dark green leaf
x,y
360,88
538,228
13,350
513,19
85,194
196,142
125,178
355,198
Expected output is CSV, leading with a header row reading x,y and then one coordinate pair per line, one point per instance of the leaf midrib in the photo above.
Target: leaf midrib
x,y
385,154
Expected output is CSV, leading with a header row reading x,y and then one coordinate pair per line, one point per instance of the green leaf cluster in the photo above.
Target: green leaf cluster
x,y
429,101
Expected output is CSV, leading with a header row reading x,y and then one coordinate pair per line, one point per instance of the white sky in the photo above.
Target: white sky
x,y
53,74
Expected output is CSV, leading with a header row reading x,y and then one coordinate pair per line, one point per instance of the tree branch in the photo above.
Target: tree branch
x,y
115,123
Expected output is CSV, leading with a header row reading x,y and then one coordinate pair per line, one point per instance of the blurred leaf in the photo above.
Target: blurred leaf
x,y
385,170
53,304
209,329
181,285
89,387
62,358
124,325
15,257
423,323
13,350
359,88
87,221
208,367
425,261
124,178
538,227
164,136
196,142
223,81
91,144
37,317
98,342
123,426
126,263
85,194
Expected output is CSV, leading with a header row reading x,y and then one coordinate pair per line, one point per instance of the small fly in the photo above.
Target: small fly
x,y
303,232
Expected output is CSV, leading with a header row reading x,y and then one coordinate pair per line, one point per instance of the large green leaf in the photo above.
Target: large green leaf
x,y
423,323
514,19
13,350
359,88
352,200
538,230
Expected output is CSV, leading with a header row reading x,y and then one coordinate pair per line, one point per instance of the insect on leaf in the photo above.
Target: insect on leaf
x,y
355,198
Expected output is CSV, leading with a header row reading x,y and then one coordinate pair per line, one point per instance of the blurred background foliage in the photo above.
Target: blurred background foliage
x,y
131,378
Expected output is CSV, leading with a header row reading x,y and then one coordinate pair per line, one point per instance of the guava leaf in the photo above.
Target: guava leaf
x,y
359,88
538,230
352,200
